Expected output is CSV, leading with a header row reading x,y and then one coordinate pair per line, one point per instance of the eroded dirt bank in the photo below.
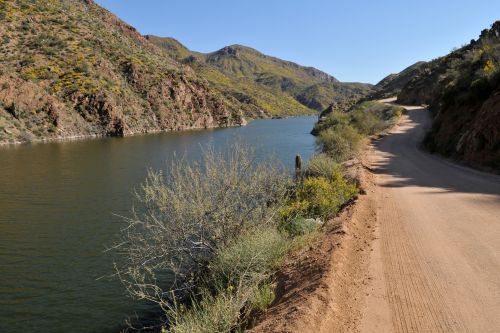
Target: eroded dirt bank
x,y
321,289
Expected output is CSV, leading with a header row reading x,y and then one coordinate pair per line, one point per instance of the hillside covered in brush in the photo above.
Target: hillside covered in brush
x,y
265,85
462,90
69,68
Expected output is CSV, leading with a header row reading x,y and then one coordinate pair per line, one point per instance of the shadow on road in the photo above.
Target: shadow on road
x,y
400,156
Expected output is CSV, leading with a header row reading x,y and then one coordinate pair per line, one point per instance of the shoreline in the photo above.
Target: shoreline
x,y
84,137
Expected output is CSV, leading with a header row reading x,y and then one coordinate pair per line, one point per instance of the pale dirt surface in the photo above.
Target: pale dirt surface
x,y
419,252
436,263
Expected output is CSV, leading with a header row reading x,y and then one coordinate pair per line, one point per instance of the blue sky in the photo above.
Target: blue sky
x,y
354,40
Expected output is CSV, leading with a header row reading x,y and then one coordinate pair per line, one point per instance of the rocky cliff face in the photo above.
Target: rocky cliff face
x,y
462,90
470,132
69,68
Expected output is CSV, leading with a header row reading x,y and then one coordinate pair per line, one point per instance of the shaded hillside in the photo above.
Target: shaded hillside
x,y
69,68
463,91
392,84
265,85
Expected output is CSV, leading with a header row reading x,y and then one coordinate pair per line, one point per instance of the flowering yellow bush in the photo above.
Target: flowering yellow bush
x,y
319,197
489,67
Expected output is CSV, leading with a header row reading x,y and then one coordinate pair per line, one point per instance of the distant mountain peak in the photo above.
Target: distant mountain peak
x,y
231,51
263,85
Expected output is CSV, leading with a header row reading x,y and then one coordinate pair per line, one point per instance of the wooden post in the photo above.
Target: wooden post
x,y
298,167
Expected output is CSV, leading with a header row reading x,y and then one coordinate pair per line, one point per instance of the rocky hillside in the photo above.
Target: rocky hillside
x,y
463,92
264,85
392,84
69,68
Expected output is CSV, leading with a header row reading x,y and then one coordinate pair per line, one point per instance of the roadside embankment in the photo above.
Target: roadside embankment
x,y
320,288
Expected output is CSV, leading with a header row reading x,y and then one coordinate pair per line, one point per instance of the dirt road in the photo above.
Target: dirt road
x,y
435,266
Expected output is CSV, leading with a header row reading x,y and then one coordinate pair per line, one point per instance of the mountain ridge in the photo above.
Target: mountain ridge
x,y
263,83
71,68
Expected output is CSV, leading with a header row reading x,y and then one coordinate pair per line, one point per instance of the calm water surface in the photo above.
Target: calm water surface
x,y
57,206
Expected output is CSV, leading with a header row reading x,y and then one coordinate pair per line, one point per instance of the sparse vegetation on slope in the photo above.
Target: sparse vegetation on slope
x,y
70,68
462,90
264,85
392,84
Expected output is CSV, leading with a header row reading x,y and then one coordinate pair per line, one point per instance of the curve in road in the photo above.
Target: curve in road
x,y
436,262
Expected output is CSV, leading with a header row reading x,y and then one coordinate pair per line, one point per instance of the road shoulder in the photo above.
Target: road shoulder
x,y
322,289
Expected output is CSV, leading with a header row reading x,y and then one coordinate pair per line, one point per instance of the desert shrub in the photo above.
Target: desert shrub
x,y
239,284
372,116
25,26
300,226
318,197
27,61
367,123
262,297
333,119
322,165
479,89
48,44
82,68
206,237
213,312
398,112
340,134
188,215
249,259
340,142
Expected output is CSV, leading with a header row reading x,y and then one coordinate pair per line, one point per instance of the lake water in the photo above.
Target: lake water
x,y
57,206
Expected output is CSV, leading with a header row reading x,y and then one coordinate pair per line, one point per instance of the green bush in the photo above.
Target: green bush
x,y
239,283
372,117
340,134
300,226
367,123
249,259
13,110
322,165
333,119
220,229
340,142
262,297
214,312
